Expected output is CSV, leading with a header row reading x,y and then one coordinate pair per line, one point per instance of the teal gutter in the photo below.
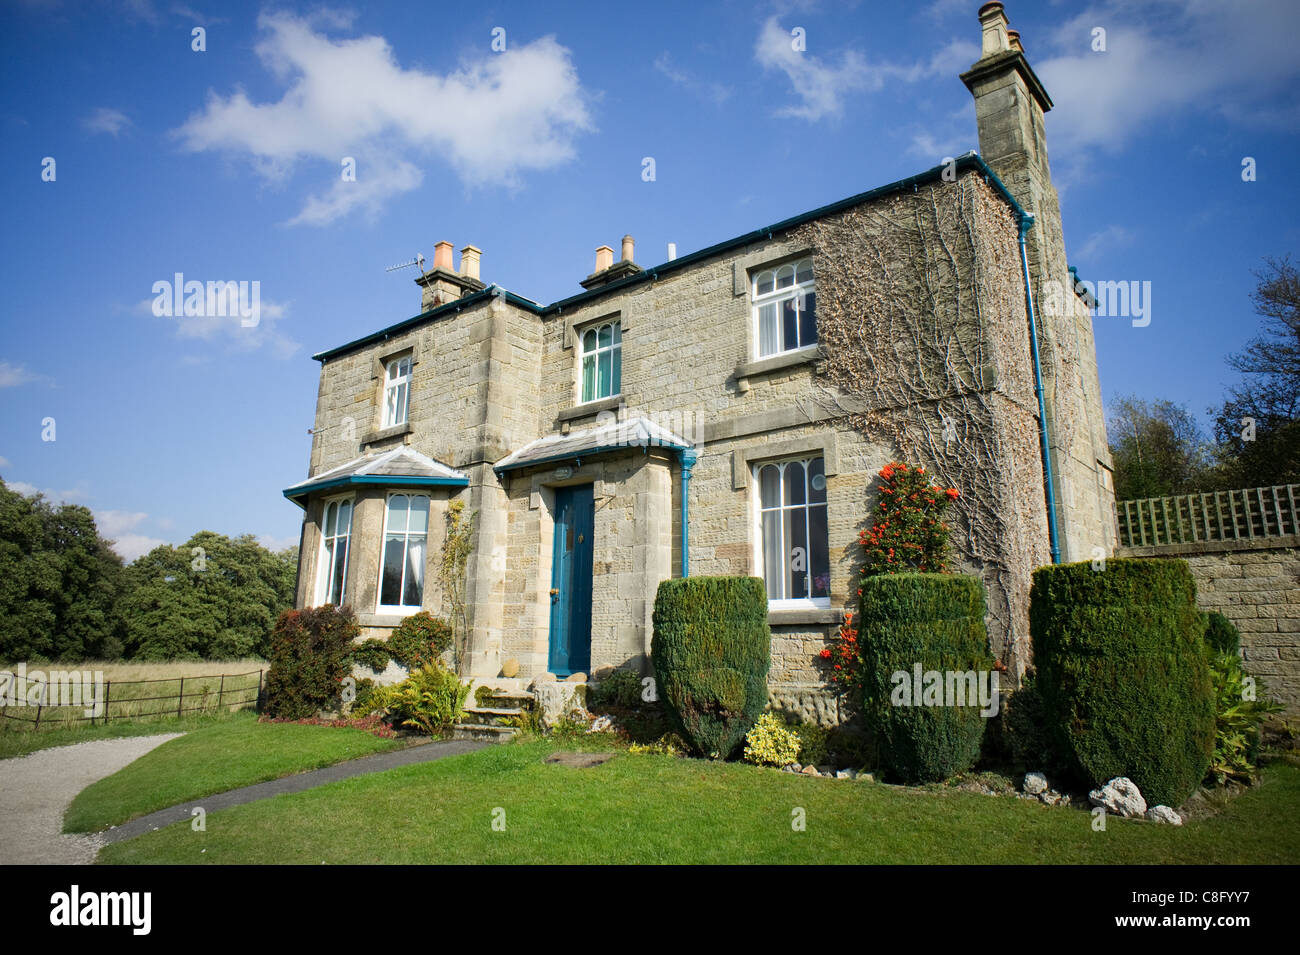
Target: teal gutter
x,y
1026,223
390,480
971,161
688,458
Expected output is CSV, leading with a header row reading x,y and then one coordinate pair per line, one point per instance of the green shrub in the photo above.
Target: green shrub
x,y
1030,744
1123,673
1221,635
485,697
311,654
420,640
771,743
813,741
620,688
373,654
936,621
431,699
1239,709
711,651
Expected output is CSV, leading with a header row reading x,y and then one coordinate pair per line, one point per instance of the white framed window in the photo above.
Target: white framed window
x,y
785,308
793,535
397,391
602,362
401,569
336,535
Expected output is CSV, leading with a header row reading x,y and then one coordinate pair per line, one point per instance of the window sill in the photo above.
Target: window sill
x,y
790,359
384,434
800,616
589,408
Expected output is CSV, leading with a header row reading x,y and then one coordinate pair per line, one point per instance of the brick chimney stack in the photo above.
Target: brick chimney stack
x,y
442,283
607,270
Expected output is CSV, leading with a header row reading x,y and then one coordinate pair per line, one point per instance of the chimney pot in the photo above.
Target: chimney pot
x,y
469,261
442,256
1013,37
604,258
994,21
628,247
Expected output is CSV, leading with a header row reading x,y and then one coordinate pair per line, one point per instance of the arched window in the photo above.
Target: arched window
x,y
406,532
397,391
785,306
336,533
602,362
795,535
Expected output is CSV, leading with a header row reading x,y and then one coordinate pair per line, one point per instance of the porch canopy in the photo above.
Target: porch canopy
x,y
638,432
400,467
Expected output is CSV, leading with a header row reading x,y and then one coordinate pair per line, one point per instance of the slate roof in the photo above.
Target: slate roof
x,y
638,432
400,467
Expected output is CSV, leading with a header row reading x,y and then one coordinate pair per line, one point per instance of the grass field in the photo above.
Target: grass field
x,y
226,754
141,691
655,809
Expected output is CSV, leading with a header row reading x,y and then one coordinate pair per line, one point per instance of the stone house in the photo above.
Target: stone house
x,y
726,412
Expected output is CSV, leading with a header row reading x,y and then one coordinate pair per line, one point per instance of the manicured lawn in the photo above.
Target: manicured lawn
x,y
221,755
654,809
20,742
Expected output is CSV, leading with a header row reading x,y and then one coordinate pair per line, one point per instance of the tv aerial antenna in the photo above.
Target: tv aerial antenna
x,y
418,260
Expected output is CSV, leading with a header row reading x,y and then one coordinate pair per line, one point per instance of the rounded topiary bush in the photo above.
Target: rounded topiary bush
x,y
1123,673
711,652
935,621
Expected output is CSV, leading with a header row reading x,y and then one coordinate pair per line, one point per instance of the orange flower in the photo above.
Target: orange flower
x,y
953,493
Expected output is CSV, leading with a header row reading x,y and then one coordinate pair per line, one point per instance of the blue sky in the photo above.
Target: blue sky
x,y
225,164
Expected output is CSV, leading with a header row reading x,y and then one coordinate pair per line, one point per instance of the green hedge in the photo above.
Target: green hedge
x,y
311,653
711,652
1123,673
936,620
1222,635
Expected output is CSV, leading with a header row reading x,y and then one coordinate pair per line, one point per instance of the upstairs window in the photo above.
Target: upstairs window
x,y
785,308
397,391
406,532
336,532
792,517
602,361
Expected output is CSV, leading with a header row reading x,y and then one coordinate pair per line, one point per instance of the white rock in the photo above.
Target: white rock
x,y
845,774
1164,814
1035,783
1121,797
600,725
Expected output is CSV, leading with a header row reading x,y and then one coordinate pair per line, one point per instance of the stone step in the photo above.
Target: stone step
x,y
493,710
487,732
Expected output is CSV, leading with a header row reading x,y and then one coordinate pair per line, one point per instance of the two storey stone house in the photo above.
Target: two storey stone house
x,y
726,412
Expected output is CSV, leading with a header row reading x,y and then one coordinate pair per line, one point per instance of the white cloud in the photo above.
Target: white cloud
x,y
715,93
13,375
823,87
1165,58
492,118
113,523
68,496
273,543
820,87
230,329
1111,237
131,546
4,462
105,120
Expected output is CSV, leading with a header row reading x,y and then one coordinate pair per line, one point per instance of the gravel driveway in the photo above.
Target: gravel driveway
x,y
36,790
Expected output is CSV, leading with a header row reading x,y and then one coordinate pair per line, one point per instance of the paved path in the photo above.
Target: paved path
x,y
422,753
36,790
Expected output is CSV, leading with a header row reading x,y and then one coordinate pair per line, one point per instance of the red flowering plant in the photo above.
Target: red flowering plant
x,y
908,536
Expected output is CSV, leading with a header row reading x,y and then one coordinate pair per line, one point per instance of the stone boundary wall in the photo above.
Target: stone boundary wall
x,y
1256,585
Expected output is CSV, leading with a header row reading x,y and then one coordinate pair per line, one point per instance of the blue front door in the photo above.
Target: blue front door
x,y
575,513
